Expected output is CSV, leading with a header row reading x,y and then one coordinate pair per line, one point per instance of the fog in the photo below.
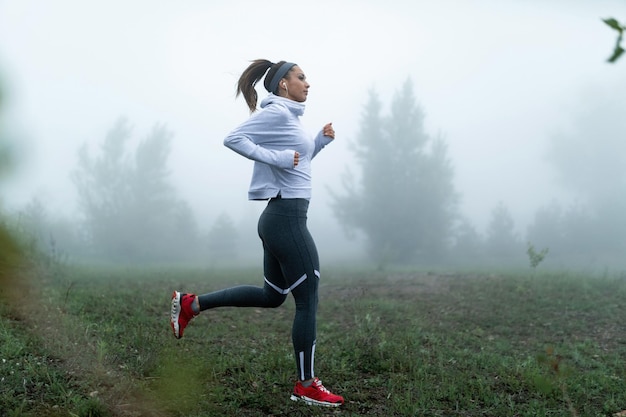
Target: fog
x,y
498,79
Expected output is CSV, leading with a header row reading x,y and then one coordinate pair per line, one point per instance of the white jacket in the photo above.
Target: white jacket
x,y
270,137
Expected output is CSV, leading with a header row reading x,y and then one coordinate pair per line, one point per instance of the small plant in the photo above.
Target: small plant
x,y
370,336
101,351
535,257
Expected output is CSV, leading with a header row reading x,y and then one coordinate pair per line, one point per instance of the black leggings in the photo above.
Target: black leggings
x,y
290,264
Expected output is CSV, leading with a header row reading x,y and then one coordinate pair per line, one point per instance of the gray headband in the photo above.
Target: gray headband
x,y
279,75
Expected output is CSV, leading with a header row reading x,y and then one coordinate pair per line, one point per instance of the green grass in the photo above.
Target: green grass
x,y
97,343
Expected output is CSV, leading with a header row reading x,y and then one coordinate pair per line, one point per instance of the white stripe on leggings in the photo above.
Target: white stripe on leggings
x,y
295,284
313,360
301,359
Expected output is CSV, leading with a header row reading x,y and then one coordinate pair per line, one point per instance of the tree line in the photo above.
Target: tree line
x,y
401,200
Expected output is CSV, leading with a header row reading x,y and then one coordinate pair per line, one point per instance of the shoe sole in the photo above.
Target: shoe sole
x,y
310,401
175,314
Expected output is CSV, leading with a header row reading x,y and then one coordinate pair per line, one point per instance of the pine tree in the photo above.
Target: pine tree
x,y
502,243
131,210
403,200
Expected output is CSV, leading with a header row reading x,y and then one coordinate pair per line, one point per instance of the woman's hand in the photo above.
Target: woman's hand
x,y
296,158
329,131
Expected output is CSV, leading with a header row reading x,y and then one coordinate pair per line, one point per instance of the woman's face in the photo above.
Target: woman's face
x,y
297,88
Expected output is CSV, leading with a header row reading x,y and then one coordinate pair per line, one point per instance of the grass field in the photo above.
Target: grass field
x,y
96,342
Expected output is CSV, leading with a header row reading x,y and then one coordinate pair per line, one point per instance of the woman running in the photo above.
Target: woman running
x,y
282,152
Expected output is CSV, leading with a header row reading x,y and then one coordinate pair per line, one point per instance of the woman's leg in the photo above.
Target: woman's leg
x,y
293,247
186,306
304,330
290,263
290,252
242,296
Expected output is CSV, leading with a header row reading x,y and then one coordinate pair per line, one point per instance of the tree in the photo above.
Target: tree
x,y
104,193
589,159
404,200
547,228
130,208
222,240
502,243
468,247
580,234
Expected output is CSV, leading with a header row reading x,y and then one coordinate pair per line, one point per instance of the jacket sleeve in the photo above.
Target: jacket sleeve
x,y
248,140
245,146
320,142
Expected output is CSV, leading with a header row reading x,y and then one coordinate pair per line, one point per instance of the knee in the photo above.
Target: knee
x,y
276,300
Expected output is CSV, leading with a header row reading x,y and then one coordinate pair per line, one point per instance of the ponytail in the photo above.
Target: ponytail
x,y
254,73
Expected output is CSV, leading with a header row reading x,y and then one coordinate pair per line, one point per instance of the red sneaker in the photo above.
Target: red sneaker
x,y
181,312
316,394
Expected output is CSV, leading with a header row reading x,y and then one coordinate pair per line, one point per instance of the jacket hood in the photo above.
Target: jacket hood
x,y
294,106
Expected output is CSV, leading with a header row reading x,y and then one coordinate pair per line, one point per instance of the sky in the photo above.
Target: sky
x,y
497,79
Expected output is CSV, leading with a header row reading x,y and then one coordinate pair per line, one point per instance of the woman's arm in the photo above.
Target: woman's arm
x,y
247,140
324,137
